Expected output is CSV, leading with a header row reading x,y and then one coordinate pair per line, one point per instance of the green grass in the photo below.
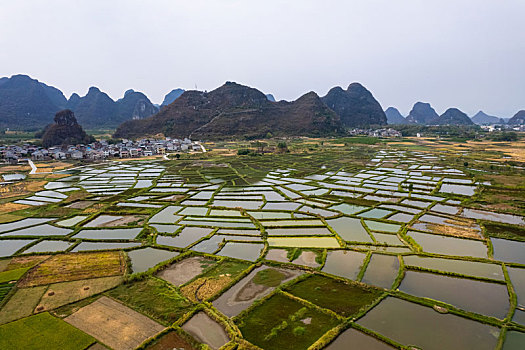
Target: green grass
x,y
42,331
343,298
12,275
5,288
227,267
154,298
284,323
269,277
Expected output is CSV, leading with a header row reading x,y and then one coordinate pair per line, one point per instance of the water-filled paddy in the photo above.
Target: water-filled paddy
x,y
304,242
414,324
344,263
490,299
143,259
381,271
449,245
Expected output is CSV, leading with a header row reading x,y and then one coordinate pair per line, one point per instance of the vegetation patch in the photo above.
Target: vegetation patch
x,y
76,266
269,277
213,281
505,231
343,298
284,323
42,331
12,275
154,298
21,304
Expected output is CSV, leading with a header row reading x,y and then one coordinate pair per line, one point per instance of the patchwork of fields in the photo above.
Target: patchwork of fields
x,y
381,246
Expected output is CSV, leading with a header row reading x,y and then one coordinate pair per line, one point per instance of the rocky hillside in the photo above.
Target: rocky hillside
x,y
356,106
27,104
234,110
452,116
481,118
65,131
172,96
421,113
518,118
394,117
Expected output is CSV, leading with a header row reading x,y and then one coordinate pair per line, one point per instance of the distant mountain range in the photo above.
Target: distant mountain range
x,y
231,110
422,113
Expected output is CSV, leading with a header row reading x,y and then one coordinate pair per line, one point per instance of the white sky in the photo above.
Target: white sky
x,y
468,54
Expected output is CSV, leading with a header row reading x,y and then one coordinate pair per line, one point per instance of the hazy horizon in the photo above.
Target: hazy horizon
x,y
460,54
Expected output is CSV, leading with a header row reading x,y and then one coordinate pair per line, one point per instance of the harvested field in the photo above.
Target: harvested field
x,y
81,204
114,324
75,266
60,294
25,261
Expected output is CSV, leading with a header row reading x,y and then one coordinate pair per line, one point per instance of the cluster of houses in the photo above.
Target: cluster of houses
x,y
99,150
385,132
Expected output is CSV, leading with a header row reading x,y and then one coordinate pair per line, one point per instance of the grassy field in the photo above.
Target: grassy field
x,y
283,323
21,304
12,275
42,331
343,298
154,298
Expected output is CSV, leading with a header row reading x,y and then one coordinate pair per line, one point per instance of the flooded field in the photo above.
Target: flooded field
x,y
378,247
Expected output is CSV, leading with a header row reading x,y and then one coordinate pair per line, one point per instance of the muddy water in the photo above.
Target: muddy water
x,y
207,331
185,270
244,293
381,271
344,263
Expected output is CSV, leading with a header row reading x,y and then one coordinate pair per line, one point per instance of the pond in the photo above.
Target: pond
x,y
344,263
464,190
462,267
359,340
350,229
348,208
86,246
508,251
146,258
23,223
72,221
109,234
245,251
449,245
260,282
186,237
41,230
10,246
381,271
382,226
413,324
48,246
491,216
490,299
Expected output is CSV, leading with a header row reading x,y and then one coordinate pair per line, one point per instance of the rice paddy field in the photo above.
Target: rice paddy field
x,y
412,244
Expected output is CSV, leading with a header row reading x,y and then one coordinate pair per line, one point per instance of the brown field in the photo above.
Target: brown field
x,y
75,266
21,188
11,207
204,288
14,169
114,324
60,294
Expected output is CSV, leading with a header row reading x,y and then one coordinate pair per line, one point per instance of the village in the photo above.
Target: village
x,y
99,150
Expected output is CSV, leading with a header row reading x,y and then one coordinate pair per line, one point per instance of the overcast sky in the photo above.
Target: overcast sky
x,y
468,54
